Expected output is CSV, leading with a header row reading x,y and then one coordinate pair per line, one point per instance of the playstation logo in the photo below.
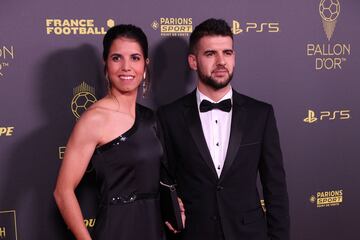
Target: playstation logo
x,y
343,114
310,117
236,29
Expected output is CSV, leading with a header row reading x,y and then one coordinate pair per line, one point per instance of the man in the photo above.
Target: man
x,y
217,141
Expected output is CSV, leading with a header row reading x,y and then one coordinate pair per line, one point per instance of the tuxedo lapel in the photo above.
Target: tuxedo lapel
x,y
192,119
238,120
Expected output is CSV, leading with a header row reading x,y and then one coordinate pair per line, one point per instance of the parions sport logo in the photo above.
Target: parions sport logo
x,y
173,26
55,26
327,198
7,54
330,55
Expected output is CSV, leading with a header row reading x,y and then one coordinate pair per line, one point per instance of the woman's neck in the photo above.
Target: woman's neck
x,y
125,102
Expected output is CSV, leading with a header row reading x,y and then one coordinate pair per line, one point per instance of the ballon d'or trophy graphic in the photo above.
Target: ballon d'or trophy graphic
x,y
329,12
84,96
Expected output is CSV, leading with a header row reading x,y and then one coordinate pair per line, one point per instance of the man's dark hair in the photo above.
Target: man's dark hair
x,y
210,27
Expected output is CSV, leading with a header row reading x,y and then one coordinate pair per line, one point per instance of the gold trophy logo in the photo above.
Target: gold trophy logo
x,y
84,96
329,11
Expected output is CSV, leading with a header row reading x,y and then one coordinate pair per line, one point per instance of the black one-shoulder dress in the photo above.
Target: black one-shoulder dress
x,y
127,174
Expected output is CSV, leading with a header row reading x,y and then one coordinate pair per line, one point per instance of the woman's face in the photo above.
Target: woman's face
x,y
125,65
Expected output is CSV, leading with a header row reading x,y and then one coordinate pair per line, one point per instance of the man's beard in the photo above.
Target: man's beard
x,y
211,82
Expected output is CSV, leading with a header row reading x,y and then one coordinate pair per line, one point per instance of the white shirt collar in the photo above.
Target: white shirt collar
x,y
200,96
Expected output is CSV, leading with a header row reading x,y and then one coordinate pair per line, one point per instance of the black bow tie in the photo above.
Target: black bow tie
x,y
224,105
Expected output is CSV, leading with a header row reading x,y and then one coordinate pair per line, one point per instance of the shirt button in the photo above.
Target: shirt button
x,y
219,188
217,144
215,218
216,121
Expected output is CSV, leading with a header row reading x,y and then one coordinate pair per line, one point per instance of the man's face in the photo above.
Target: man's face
x,y
214,61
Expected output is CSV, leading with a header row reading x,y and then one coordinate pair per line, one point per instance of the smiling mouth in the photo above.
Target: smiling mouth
x,y
126,77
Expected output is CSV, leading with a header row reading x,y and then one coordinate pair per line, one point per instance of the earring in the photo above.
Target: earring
x,y
144,76
144,89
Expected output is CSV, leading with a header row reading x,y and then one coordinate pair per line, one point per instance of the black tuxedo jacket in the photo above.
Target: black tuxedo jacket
x,y
228,207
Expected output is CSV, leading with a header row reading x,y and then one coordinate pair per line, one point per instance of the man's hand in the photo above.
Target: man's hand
x,y
183,217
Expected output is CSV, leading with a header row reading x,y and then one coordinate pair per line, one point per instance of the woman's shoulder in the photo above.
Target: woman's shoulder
x,y
92,118
89,126
105,112
96,114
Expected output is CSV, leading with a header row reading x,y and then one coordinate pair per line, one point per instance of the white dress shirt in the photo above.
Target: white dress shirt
x,y
216,128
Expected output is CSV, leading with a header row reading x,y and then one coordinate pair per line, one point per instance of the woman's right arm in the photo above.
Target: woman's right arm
x,y
80,147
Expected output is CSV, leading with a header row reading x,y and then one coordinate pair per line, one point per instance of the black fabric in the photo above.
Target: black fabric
x,y
228,207
170,208
224,105
127,167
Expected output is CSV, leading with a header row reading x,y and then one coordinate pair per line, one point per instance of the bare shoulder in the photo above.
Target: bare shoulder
x,y
109,107
98,112
104,118
95,114
105,110
90,123
103,103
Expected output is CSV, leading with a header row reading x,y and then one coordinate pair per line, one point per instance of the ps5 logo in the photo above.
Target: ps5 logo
x,y
327,115
271,27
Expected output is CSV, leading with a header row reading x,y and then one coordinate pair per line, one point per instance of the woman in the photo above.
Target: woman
x,y
120,136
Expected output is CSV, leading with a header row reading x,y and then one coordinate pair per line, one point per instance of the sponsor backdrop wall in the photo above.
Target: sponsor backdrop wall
x,y
301,56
